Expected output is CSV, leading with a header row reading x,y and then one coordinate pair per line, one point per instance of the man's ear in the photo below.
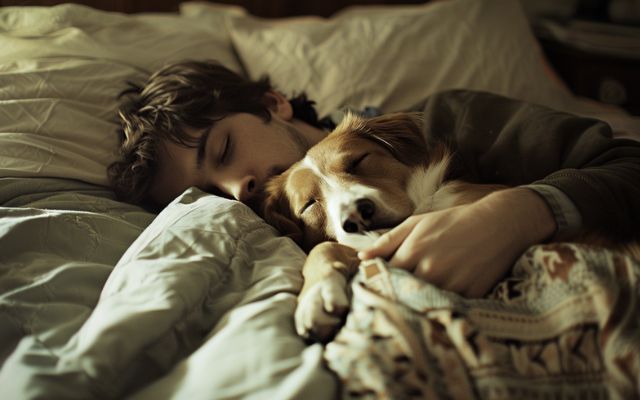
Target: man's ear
x,y
278,105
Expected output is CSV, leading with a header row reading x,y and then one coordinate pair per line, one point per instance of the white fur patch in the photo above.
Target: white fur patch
x,y
342,201
424,183
310,164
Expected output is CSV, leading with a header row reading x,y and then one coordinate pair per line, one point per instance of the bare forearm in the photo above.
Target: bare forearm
x,y
526,215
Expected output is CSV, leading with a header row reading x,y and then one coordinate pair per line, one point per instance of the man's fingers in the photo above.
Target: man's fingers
x,y
387,244
405,257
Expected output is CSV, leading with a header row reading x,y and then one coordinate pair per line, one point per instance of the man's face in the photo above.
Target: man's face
x,y
235,158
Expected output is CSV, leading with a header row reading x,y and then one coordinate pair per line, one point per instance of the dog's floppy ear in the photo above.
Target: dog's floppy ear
x,y
400,133
276,210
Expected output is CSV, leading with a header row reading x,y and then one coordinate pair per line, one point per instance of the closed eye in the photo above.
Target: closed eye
x,y
307,205
224,154
353,165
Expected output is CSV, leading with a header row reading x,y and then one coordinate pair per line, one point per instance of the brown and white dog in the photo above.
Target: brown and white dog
x,y
367,175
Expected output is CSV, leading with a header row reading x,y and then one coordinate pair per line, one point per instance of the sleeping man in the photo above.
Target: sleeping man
x,y
200,124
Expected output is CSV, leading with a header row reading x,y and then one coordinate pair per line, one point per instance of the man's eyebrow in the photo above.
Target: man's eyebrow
x,y
202,148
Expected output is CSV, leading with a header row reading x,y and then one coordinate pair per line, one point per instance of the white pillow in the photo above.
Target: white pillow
x,y
211,15
393,57
145,41
61,71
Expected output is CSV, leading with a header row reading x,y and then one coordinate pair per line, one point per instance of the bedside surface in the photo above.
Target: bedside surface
x,y
598,61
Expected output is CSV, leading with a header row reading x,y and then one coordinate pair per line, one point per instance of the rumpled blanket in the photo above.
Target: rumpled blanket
x,y
564,325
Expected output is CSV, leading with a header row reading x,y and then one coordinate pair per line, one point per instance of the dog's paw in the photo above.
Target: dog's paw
x,y
321,309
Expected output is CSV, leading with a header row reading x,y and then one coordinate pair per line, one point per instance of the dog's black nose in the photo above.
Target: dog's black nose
x,y
357,220
366,208
350,226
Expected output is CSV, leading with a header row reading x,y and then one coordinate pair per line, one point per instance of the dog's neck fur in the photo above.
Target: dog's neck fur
x,y
425,182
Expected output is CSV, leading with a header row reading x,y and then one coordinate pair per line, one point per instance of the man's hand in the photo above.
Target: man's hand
x,y
467,249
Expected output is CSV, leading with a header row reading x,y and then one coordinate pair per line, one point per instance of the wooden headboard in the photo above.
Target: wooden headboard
x,y
263,8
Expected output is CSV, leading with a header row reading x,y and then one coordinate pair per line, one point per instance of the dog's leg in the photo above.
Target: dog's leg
x,y
324,300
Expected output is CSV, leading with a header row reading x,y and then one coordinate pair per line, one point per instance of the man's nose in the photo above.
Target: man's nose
x,y
245,188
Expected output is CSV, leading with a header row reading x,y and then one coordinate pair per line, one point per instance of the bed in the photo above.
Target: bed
x,y
102,299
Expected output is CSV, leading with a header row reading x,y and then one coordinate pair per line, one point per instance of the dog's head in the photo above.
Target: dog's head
x,y
354,180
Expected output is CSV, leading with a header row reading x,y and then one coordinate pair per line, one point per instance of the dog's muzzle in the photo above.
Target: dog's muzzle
x,y
356,217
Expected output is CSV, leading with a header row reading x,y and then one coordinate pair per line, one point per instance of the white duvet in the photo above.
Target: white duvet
x,y
199,306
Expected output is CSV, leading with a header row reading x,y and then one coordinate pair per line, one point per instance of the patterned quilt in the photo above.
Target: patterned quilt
x,y
564,325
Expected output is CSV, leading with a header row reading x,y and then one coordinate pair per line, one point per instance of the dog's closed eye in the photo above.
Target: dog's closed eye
x,y
307,205
353,165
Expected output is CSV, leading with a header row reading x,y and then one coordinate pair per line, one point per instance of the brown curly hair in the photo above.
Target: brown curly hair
x,y
190,94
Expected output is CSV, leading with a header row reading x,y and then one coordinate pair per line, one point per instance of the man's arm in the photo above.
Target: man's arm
x,y
499,140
